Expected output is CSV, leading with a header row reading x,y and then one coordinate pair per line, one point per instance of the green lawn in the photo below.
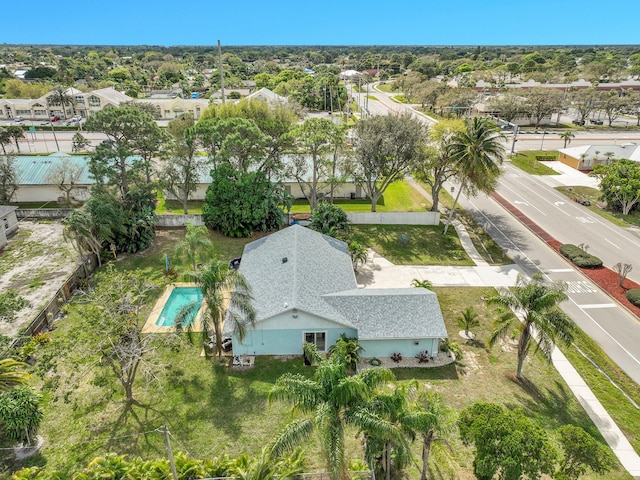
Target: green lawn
x,y
211,411
593,195
398,197
526,161
399,99
413,244
388,87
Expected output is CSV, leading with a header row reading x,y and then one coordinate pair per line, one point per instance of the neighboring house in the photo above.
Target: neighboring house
x,y
87,104
304,290
9,223
348,189
268,96
585,157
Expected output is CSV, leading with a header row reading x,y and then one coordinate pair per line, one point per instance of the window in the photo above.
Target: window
x,y
94,101
23,112
319,339
41,113
79,100
53,101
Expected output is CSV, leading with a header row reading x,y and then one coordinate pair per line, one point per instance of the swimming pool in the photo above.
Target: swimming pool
x,y
180,297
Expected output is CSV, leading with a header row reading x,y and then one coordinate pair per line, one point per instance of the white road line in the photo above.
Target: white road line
x,y
560,270
520,196
580,286
598,305
612,243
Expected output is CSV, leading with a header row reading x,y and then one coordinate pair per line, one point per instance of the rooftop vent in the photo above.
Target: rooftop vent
x,y
285,259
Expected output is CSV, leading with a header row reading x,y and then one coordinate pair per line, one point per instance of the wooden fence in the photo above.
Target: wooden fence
x,y
42,321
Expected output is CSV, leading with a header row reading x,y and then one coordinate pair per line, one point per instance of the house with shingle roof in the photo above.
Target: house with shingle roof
x,y
304,290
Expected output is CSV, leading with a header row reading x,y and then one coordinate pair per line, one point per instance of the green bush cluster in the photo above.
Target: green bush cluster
x,y
542,158
633,296
579,257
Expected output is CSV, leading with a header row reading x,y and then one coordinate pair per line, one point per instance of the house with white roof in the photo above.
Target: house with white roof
x,y
304,290
585,157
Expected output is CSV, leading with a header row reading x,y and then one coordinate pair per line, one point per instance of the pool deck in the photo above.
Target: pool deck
x,y
150,325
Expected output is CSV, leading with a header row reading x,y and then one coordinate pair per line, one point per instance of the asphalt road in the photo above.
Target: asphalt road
x,y
612,327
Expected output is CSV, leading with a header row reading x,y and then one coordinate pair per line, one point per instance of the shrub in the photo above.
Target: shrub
x,y
404,239
633,296
579,257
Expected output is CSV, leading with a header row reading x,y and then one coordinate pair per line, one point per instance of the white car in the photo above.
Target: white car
x,y
18,119
76,118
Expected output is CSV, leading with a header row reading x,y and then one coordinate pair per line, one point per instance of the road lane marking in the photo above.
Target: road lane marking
x,y
585,219
560,270
580,286
598,305
612,243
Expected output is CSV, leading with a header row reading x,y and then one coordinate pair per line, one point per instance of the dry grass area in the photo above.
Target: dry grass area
x,y
36,263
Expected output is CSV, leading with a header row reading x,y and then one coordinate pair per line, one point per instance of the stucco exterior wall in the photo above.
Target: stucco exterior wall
x,y
567,160
48,193
284,334
408,348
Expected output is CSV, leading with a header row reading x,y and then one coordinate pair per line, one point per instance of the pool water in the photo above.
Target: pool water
x,y
180,297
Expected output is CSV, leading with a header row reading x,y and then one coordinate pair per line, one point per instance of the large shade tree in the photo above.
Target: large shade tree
x,y
329,402
385,147
314,167
132,135
531,309
619,184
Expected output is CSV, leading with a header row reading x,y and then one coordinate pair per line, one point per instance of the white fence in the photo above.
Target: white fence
x,y
394,218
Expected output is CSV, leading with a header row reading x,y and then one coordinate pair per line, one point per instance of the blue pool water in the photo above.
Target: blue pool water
x,y
180,296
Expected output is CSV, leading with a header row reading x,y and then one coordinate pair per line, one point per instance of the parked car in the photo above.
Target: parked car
x,y
76,118
54,118
18,119
47,122
595,121
577,121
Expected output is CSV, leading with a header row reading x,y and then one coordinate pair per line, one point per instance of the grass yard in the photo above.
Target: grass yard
x,y
526,161
398,197
211,411
388,87
413,244
593,195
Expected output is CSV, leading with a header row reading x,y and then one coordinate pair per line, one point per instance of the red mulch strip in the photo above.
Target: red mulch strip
x,y
604,277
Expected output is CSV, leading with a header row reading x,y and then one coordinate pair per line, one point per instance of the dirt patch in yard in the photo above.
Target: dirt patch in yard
x,y
36,263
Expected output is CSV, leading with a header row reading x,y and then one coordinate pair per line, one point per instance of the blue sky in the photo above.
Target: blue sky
x,y
328,22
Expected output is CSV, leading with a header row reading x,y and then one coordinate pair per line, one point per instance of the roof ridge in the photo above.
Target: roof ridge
x,y
294,286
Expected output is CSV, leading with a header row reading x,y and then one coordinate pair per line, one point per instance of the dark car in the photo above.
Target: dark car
x,y
577,121
595,121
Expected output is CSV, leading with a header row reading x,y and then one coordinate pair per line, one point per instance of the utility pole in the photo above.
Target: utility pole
x,y
169,451
220,68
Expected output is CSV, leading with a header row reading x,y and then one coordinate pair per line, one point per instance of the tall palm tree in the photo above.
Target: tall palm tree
x,y
388,451
11,374
567,136
60,95
227,298
195,245
330,401
433,421
477,154
536,303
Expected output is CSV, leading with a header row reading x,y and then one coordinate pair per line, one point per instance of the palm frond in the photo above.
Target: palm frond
x,y
291,436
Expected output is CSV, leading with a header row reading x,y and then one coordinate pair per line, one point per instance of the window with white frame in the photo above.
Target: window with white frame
x,y
319,339
94,101
79,100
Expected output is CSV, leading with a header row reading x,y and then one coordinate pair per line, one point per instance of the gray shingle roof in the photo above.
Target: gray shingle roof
x,y
380,313
299,268
315,264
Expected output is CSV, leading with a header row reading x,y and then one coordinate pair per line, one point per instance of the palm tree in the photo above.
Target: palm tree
x,y
358,253
467,320
11,375
422,284
195,245
388,450
227,298
433,421
477,154
536,303
567,136
60,95
330,401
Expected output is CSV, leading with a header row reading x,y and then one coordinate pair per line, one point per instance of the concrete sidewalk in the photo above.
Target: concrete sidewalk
x,y
378,272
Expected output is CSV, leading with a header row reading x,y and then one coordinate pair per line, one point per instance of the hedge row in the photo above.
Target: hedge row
x,y
633,296
542,158
579,257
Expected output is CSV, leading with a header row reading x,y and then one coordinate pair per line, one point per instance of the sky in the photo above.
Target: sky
x,y
327,22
